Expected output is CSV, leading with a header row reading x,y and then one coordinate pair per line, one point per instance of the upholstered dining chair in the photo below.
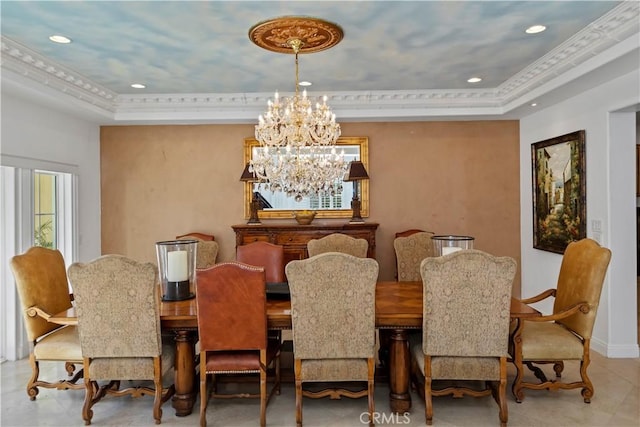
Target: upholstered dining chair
x,y
410,250
338,242
207,252
41,281
465,332
118,309
264,254
566,333
232,326
333,319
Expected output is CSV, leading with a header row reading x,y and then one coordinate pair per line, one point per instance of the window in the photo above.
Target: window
x,y
37,209
44,205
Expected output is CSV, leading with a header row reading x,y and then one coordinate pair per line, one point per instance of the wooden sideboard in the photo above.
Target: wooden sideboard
x,y
294,237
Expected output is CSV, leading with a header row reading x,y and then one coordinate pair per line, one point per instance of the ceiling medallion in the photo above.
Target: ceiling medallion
x,y
314,34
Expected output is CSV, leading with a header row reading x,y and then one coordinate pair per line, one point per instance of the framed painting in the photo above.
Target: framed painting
x,y
559,191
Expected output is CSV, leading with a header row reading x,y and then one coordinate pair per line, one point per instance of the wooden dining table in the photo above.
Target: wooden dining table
x,y
398,308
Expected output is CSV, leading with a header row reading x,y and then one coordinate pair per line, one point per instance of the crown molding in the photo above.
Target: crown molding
x,y
593,47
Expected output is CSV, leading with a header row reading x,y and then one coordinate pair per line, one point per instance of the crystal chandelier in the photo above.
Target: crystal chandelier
x,y
297,153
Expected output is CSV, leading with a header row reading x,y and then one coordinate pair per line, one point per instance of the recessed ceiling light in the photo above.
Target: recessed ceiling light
x,y
533,104
474,80
304,84
534,29
56,38
138,86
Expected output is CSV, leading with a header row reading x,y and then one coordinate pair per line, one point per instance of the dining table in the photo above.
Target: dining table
x,y
398,308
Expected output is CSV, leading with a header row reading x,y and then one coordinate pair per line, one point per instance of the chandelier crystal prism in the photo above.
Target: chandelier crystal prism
x,y
297,153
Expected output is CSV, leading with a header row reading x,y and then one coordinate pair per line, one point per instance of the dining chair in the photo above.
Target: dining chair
x,y
198,236
411,247
41,280
465,330
566,333
333,321
266,255
271,258
207,248
118,309
338,242
232,326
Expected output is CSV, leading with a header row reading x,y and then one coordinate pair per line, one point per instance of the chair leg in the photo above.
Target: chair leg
x,y
558,367
263,396
587,389
157,381
204,393
370,390
70,368
428,403
502,393
297,373
278,381
87,412
32,389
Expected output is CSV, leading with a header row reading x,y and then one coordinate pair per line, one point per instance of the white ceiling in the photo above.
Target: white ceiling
x,y
398,59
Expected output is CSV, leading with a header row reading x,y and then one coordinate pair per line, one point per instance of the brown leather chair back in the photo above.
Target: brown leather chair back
x,y
407,233
582,273
197,236
264,254
231,301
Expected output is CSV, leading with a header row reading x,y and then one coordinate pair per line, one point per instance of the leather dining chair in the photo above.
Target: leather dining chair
x,y
207,252
197,236
338,242
118,309
232,326
565,334
264,254
41,281
465,330
333,319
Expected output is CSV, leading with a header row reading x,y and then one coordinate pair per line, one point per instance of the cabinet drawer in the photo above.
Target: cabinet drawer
x,y
298,239
250,238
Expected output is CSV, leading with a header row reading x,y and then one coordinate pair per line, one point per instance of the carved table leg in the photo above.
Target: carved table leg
x,y
399,357
185,373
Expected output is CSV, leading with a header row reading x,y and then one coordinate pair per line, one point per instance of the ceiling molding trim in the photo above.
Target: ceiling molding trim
x,y
41,70
602,34
594,46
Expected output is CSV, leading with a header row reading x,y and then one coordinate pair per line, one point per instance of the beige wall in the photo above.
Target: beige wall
x,y
446,177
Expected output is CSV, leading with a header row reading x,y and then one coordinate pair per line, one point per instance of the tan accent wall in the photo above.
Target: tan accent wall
x,y
446,177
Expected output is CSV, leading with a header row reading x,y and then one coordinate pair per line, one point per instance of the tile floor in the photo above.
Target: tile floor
x,y
616,403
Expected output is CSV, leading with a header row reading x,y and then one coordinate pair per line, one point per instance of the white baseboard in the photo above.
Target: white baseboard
x,y
625,351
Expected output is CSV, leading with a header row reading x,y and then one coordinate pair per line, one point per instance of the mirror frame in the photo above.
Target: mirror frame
x,y
361,141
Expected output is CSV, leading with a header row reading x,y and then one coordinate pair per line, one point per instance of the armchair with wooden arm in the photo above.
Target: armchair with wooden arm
x,y
565,334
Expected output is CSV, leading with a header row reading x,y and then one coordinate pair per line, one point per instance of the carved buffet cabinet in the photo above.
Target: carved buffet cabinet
x,y
294,237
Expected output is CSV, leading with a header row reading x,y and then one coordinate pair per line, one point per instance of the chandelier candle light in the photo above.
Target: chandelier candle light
x,y
297,153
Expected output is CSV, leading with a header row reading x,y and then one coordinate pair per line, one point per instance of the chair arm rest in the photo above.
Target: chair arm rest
x,y
582,307
34,311
546,294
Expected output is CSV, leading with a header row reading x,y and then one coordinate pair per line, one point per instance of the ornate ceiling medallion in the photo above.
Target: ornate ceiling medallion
x,y
314,34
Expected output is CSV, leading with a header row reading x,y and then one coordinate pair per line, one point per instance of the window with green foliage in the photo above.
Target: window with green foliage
x,y
45,215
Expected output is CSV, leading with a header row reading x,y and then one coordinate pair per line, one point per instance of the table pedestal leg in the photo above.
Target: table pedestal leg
x,y
399,357
185,373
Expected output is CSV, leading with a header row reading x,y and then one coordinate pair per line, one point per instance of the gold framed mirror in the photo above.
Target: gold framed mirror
x,y
278,205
